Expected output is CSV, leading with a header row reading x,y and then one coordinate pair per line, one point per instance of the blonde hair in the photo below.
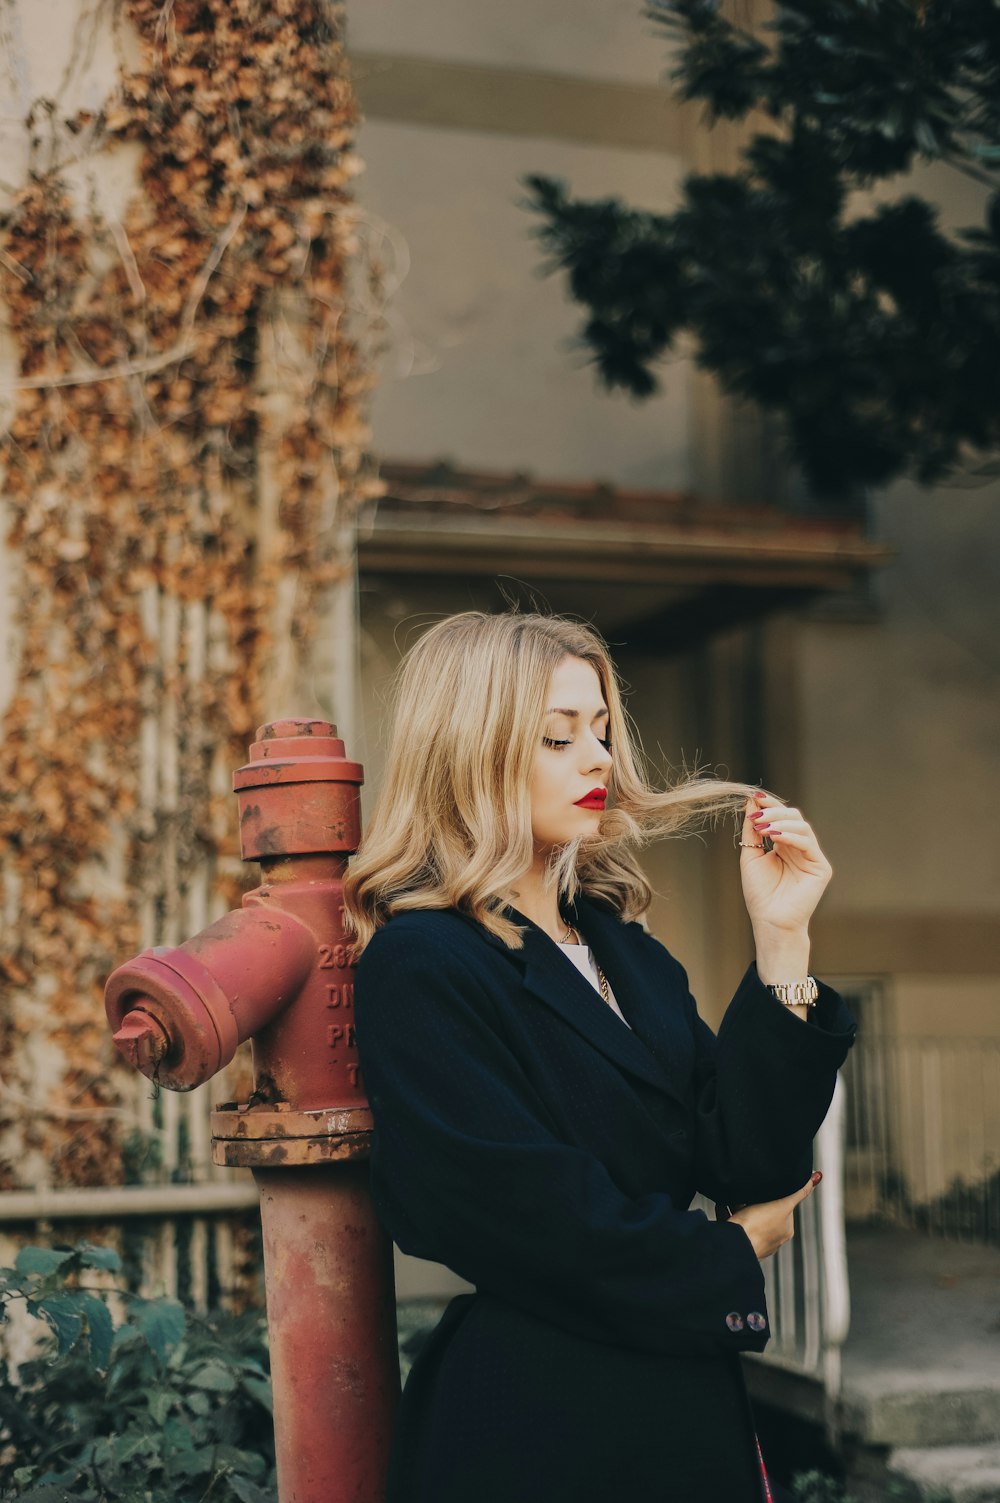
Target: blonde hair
x,y
452,825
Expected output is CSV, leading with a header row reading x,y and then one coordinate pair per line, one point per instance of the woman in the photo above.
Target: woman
x,y
547,1100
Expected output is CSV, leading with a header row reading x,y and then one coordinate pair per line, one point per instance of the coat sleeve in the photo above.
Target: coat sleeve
x,y
468,1170
762,1090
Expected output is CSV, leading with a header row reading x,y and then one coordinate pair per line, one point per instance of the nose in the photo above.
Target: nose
x,y
599,758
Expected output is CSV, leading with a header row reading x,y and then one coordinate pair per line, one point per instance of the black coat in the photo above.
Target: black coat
x,y
530,1141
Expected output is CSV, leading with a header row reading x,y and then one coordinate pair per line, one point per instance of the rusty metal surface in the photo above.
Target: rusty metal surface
x,y
331,1313
241,1120
250,1137
308,1057
298,793
278,969
142,1040
289,1153
178,1014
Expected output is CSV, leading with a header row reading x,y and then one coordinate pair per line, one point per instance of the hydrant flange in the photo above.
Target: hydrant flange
x,y
261,1137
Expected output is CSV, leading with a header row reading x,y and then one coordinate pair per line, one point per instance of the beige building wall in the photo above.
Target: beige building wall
x,y
881,719
900,737
478,368
574,38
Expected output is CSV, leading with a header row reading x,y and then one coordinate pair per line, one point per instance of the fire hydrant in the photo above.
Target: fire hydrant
x,y
277,972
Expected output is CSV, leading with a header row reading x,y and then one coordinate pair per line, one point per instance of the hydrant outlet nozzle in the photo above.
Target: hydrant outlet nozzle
x,y
142,1040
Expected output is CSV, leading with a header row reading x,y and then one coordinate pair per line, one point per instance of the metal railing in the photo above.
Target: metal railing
x,y
912,1139
808,1291
197,1243
806,1282
183,1227
923,1135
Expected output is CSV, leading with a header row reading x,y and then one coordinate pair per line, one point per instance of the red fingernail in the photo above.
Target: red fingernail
x,y
758,815
817,1176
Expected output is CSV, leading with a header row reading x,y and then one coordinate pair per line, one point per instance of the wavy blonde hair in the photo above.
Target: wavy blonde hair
x,y
452,825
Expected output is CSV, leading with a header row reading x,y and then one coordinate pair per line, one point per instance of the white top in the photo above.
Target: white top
x,y
583,959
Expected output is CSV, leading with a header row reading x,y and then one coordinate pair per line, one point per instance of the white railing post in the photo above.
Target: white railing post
x,y
834,1285
808,1292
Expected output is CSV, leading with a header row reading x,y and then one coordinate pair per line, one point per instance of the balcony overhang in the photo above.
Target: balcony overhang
x,y
693,567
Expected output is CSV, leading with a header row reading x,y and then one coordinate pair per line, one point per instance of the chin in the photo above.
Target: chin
x,y
585,827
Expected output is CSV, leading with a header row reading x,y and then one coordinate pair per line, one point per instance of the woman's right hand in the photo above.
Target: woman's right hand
x,y
770,1224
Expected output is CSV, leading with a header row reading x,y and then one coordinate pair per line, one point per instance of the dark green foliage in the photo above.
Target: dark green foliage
x,y
874,333
166,1405
816,1487
968,1209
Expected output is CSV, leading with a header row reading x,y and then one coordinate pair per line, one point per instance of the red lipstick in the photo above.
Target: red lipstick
x,y
595,799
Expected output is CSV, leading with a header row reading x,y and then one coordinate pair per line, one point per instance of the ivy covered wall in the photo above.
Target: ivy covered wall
x,y
183,446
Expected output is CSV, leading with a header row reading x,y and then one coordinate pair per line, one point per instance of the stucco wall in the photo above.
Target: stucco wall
x,y
585,38
479,368
901,715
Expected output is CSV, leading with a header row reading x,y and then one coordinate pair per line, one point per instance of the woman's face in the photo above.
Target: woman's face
x,y
572,760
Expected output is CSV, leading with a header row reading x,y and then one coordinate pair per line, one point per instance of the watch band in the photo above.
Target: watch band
x,y
796,993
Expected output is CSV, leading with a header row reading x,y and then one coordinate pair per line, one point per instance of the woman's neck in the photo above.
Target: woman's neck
x,y
534,896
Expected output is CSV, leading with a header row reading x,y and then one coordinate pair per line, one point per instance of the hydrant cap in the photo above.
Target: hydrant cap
x,y
309,746
161,1023
298,794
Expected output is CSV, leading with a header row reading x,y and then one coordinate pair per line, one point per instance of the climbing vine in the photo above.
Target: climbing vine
x,y
186,443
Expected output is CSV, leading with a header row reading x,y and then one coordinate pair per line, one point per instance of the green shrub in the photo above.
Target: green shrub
x,y
162,1405
818,1487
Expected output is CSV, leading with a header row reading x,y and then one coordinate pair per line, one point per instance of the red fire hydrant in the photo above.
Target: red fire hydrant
x,y
277,972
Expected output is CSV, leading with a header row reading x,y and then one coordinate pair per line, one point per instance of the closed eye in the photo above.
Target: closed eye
x,y
553,741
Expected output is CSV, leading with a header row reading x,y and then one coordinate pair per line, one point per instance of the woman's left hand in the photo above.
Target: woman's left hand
x,y
781,887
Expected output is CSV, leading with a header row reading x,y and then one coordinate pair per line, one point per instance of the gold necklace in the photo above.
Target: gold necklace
x,y
572,937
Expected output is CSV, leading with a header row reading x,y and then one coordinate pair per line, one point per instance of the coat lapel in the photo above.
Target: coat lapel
x,y
656,1015
644,1049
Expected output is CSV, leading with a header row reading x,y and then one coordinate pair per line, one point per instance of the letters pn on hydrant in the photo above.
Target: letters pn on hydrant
x,y
276,972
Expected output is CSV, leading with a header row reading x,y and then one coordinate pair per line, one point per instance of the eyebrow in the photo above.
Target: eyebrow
x,y
575,714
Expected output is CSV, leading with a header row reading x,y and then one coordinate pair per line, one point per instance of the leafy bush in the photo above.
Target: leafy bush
x,y
163,1404
817,1487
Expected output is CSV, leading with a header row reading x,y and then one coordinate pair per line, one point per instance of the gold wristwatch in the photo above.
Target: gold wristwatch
x,y
796,993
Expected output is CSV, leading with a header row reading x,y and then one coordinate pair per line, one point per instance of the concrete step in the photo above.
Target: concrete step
x,y
889,1407
921,1366
950,1474
922,1409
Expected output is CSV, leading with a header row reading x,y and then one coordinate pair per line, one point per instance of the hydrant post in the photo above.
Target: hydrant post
x,y
321,1240
278,972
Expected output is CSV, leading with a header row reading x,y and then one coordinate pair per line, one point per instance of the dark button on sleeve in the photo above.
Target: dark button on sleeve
x,y
734,1321
756,1321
